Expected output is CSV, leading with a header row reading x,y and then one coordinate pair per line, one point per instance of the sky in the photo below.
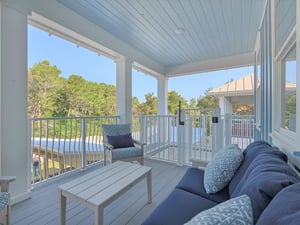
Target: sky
x,y
71,59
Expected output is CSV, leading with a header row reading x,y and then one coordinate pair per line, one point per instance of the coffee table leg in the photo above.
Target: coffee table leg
x,y
99,216
62,200
149,186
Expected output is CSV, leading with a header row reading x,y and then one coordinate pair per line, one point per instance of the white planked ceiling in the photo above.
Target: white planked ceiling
x,y
212,28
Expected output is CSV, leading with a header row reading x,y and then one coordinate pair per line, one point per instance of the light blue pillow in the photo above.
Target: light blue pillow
x,y
235,211
220,170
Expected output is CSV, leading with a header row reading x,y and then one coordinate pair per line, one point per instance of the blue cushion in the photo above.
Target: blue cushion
x,y
193,181
237,211
221,168
264,178
284,207
121,141
4,198
253,150
178,208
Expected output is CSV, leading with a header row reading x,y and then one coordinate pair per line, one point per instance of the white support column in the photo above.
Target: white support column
x,y
162,84
124,89
14,151
225,105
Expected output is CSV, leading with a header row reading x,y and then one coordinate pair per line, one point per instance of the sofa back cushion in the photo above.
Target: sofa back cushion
x,y
264,178
250,153
284,207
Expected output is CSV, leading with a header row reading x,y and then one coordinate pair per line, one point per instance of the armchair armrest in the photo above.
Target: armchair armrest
x,y
139,143
107,145
4,182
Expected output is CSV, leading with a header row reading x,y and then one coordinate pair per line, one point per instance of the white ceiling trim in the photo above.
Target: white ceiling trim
x,y
140,67
236,61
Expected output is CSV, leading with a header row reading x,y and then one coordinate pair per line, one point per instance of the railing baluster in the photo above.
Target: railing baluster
x,y
83,144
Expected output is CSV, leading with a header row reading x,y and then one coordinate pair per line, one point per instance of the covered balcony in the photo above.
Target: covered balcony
x,y
164,39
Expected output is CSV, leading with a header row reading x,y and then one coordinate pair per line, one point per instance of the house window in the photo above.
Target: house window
x,y
288,93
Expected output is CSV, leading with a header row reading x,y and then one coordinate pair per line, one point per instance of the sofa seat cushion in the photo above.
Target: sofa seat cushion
x,y
178,208
284,207
234,211
220,170
264,178
193,181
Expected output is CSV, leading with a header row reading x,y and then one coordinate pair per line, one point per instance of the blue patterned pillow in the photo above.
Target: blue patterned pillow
x,y
221,168
235,211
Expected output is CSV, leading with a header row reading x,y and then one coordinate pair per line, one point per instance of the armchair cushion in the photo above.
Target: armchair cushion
x,y
4,199
123,153
121,141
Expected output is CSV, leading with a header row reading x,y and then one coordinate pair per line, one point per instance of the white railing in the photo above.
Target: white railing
x,y
159,132
60,145
238,129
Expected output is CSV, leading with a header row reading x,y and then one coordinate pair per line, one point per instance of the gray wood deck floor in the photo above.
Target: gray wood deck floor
x,y
131,208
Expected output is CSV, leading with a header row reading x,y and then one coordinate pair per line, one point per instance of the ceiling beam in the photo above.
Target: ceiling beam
x,y
230,62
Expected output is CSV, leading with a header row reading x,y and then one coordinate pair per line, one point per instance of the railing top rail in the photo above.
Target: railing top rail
x,y
199,109
158,115
75,117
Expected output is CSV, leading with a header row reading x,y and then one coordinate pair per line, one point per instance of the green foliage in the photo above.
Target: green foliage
x,y
44,86
149,107
50,95
173,99
207,102
290,104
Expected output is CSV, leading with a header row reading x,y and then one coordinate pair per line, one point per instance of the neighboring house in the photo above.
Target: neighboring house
x,y
239,92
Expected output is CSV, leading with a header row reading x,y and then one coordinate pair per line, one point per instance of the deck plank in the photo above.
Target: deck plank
x,y
131,208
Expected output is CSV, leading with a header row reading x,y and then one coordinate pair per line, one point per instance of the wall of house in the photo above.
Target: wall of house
x,y
285,20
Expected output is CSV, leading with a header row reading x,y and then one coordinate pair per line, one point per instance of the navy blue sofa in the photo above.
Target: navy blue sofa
x,y
263,175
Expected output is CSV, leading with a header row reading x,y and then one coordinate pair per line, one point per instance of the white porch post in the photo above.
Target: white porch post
x,y
124,89
225,105
14,151
162,84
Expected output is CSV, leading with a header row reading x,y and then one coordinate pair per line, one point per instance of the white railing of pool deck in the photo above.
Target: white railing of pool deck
x,y
65,144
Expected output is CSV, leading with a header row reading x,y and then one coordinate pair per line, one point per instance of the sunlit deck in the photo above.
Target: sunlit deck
x,y
130,208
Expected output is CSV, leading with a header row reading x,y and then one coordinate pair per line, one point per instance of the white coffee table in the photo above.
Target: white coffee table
x,y
100,187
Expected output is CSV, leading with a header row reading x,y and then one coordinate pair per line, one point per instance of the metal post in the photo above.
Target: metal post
x,y
83,142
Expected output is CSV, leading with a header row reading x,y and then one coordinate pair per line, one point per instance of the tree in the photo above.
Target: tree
x,y
135,106
173,102
149,107
244,109
44,86
193,103
207,102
